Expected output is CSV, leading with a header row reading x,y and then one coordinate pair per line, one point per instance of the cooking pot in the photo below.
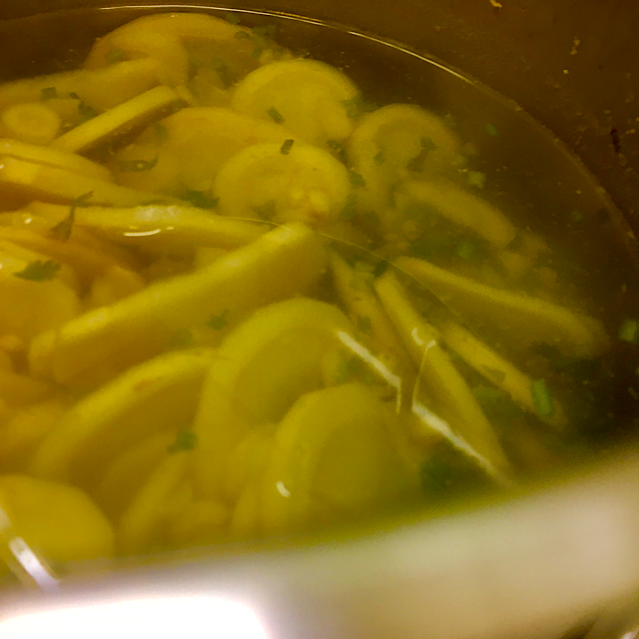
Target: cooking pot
x,y
544,561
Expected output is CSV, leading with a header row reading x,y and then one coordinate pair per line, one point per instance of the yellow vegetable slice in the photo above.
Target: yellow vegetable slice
x,y
136,112
20,389
161,227
522,319
460,207
159,500
31,122
57,521
54,158
441,379
156,396
305,183
307,96
128,472
497,370
281,263
100,88
400,142
200,521
334,451
201,139
22,181
261,369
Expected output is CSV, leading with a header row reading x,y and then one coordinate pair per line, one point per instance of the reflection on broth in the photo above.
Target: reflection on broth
x,y
240,296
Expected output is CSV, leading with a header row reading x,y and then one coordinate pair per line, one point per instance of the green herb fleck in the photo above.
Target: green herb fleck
x,y
266,211
491,130
348,211
182,338
629,331
286,147
201,200
265,31
418,162
136,166
62,230
466,250
357,106
218,322
233,18
39,271
74,96
49,93
86,112
477,179
161,132
185,440
542,398
242,35
356,179
364,324
115,55
380,157
227,76
347,368
338,149
576,216
257,52
275,115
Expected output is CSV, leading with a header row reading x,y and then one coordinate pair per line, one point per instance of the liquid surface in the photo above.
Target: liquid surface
x,y
260,275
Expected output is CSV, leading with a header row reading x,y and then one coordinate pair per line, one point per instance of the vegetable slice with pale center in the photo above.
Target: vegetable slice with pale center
x,y
281,263
523,320
305,184
31,122
159,395
306,96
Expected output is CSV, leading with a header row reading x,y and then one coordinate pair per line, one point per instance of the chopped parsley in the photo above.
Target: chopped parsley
x,y
200,199
338,149
265,31
62,230
356,179
380,157
466,250
286,147
257,52
184,441
242,35
49,93
218,322
418,162
266,211
137,166
39,271
275,115
576,216
227,76
477,179
357,106
629,331
491,130
542,398
115,55
233,18
348,211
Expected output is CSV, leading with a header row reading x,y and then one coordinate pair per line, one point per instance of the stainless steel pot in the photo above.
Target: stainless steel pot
x,y
536,565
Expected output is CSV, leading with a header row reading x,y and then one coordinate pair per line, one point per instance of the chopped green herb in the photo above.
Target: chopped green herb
x,y
275,115
218,322
265,31
364,324
491,130
242,35
185,440
233,18
227,76
356,179
49,93
115,55
477,179
380,157
39,271
418,162
182,338
201,200
347,368
86,112
338,149
348,212
629,331
161,132
137,166
542,398
257,52
266,211
62,230
74,96
576,216
357,106
286,147
633,393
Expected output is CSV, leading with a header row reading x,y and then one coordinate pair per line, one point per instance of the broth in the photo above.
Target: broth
x,y
218,353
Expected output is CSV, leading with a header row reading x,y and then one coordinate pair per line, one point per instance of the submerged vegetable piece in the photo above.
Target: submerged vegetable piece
x,y
54,158
30,122
462,208
498,370
261,368
123,118
440,377
305,184
56,520
306,96
336,451
159,395
523,320
110,339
